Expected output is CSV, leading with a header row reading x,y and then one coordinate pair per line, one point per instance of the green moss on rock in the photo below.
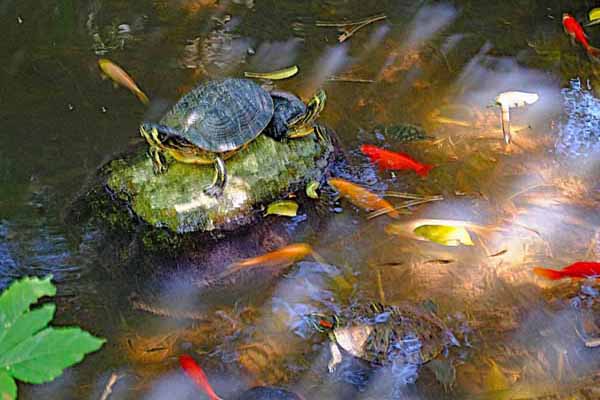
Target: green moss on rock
x,y
265,171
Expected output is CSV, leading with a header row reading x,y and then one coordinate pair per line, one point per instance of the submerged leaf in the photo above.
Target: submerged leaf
x,y
594,14
445,235
274,75
311,189
495,379
287,208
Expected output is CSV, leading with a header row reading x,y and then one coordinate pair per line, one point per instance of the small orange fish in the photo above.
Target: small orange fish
x,y
581,269
361,197
283,257
119,76
196,374
385,159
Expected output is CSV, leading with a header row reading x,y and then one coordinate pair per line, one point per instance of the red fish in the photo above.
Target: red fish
x,y
390,160
575,30
581,269
193,370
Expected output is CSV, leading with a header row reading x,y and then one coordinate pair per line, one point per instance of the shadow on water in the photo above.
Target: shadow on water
x,y
434,64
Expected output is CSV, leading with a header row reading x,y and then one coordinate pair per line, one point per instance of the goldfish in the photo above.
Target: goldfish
x,y
284,256
361,197
575,30
196,374
119,76
580,269
508,100
390,160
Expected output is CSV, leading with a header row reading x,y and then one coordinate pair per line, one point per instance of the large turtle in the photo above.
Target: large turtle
x,y
401,335
215,120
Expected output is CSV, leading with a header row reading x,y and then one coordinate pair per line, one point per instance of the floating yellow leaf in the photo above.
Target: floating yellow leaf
x,y
311,189
274,75
287,208
594,14
495,379
443,234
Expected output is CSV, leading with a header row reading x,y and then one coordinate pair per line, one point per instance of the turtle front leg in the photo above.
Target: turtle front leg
x,y
159,162
215,189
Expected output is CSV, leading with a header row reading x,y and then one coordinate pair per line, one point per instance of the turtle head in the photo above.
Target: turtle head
x,y
155,133
323,323
317,102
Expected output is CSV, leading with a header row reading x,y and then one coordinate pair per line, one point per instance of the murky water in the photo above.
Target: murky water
x,y
436,64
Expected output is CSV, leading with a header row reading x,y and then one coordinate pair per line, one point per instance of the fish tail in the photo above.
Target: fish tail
x,y
593,53
424,170
142,97
195,372
548,273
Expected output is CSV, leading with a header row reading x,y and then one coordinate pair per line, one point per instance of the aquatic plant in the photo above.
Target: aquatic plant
x,y
30,351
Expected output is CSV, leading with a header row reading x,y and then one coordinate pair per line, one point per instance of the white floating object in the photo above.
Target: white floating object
x,y
508,100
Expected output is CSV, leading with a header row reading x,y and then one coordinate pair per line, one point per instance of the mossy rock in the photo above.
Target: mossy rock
x,y
265,171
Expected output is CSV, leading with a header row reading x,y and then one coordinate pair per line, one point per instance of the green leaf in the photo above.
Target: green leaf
x,y
42,357
25,326
287,208
445,235
8,387
311,189
20,295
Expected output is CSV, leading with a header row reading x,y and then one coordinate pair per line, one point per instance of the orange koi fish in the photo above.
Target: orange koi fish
x,y
575,30
581,269
283,257
196,374
361,197
119,76
395,161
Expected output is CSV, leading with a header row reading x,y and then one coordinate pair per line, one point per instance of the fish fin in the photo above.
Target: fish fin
x,y
593,53
424,170
142,97
548,273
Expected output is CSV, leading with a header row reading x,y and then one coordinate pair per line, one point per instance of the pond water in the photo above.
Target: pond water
x,y
439,65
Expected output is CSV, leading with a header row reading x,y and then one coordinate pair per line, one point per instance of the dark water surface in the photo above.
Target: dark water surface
x,y
436,64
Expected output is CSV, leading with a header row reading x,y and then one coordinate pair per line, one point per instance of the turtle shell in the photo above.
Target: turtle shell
x,y
383,334
286,106
221,115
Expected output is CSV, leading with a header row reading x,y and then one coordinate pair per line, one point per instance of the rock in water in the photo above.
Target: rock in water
x,y
265,171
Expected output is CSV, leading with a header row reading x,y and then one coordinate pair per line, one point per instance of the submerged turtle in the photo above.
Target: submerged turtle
x,y
405,336
215,120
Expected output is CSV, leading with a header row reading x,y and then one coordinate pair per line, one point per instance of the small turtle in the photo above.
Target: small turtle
x,y
215,120
292,118
402,335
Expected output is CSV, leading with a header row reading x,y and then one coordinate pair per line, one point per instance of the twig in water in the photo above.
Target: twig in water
x,y
411,196
401,207
350,28
348,23
335,78
380,287
109,386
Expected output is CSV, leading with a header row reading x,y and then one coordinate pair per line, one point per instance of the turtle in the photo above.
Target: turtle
x,y
404,335
292,118
212,122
